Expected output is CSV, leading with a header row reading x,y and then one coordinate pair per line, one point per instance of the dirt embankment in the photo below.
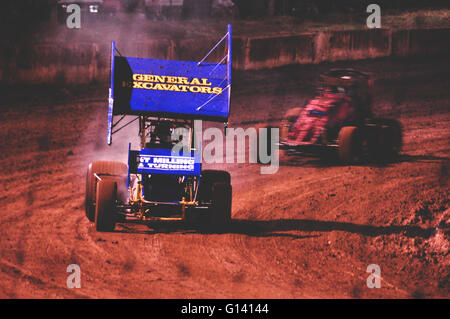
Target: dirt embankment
x,y
310,230
60,55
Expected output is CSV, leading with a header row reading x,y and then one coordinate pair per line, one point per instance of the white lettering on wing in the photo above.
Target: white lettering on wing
x,y
166,163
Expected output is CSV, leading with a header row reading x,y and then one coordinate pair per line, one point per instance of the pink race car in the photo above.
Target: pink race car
x,y
340,119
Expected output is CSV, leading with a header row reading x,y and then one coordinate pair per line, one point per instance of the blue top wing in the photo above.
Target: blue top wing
x,y
168,88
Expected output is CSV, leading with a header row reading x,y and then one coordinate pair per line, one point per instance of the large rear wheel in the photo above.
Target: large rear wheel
x,y
220,212
207,179
390,139
215,190
349,144
105,211
109,168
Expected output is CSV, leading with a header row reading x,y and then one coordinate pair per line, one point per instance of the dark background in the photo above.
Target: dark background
x,y
28,11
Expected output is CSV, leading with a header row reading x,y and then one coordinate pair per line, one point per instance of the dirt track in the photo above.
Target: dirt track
x,y
308,231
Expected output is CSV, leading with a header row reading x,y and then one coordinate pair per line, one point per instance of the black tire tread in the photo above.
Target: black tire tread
x,y
348,143
99,168
104,206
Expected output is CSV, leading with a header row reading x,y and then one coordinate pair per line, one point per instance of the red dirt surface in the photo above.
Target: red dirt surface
x,y
308,231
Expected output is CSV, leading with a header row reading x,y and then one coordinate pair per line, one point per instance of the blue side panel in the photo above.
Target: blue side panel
x,y
171,88
161,161
111,96
128,175
229,65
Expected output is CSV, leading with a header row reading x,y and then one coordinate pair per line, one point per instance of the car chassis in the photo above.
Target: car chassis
x,y
341,122
162,182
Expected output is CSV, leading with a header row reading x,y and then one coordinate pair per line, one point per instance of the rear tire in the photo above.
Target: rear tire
x,y
99,168
220,212
215,188
349,144
389,140
207,179
105,212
